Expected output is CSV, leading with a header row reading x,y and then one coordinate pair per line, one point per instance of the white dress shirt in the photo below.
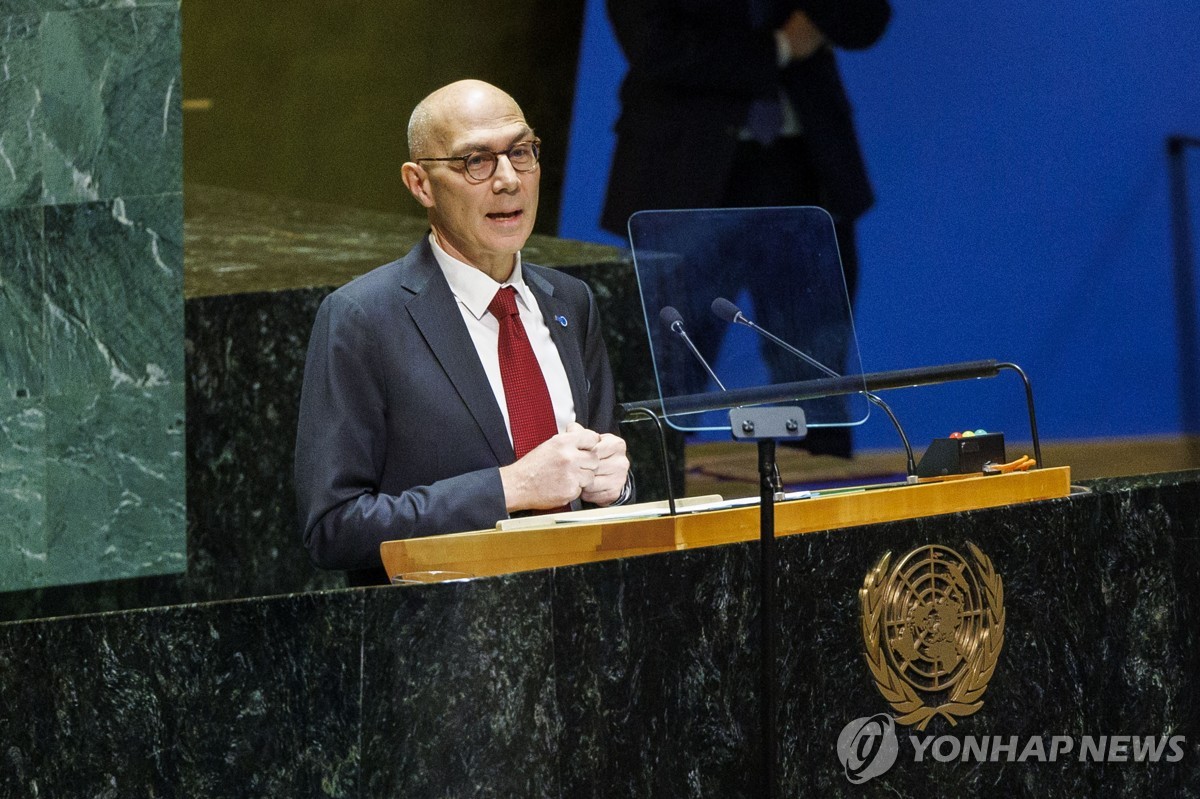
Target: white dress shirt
x,y
474,290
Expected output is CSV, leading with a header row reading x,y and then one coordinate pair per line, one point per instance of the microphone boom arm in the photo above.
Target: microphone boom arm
x,y
728,311
820,387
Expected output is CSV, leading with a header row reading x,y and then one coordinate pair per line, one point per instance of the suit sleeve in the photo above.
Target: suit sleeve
x,y
341,450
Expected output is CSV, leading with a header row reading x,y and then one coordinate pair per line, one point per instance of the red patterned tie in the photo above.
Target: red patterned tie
x,y
530,412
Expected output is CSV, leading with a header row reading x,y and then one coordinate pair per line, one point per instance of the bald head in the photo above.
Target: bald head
x,y
437,118
481,221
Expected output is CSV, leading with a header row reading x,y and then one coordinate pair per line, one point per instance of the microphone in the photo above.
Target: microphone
x,y
727,311
673,321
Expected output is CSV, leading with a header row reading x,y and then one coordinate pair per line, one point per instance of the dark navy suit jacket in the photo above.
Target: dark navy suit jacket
x,y
399,433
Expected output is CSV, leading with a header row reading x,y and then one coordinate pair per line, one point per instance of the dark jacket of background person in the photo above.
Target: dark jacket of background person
x,y
694,69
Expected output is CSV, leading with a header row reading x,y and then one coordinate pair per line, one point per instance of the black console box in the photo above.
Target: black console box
x,y
961,455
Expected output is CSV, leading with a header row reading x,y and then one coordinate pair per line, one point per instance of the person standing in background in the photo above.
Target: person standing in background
x,y
732,104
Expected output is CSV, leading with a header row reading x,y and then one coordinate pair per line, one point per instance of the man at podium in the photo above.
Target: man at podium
x,y
457,385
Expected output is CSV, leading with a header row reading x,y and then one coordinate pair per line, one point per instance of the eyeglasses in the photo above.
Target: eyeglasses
x,y
481,164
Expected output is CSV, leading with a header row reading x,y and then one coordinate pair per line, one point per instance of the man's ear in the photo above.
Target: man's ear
x,y
417,180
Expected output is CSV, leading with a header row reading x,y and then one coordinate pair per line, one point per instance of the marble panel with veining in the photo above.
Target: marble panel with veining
x,y
20,108
115,507
110,103
114,294
238,699
22,288
22,492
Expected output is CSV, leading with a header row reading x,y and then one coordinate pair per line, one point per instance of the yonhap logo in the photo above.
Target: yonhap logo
x,y
868,747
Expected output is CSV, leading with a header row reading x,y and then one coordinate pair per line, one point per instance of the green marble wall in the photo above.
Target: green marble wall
x,y
91,292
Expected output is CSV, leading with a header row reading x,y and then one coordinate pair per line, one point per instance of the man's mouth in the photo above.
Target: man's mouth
x,y
503,215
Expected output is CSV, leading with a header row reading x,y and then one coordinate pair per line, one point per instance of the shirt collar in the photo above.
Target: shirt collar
x,y
471,286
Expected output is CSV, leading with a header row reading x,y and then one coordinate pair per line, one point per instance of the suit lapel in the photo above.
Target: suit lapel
x,y
564,337
435,313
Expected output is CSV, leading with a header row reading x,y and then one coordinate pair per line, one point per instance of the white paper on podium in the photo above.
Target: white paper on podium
x,y
639,510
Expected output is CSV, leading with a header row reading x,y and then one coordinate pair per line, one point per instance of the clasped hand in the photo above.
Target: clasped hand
x,y
577,463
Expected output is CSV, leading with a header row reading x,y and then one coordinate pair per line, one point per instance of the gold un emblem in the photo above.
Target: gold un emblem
x,y
933,628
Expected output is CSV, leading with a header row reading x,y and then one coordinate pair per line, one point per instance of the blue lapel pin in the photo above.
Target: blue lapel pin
x,y
562,320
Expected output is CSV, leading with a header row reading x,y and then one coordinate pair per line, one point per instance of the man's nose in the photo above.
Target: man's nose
x,y
506,178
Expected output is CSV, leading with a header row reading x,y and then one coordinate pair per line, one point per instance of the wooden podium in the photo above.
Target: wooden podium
x,y
590,536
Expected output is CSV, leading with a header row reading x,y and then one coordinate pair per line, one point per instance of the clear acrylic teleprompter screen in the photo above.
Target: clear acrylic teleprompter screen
x,y
781,268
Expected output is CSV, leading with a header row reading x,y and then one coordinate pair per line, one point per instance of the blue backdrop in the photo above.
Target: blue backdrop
x,y
1018,154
